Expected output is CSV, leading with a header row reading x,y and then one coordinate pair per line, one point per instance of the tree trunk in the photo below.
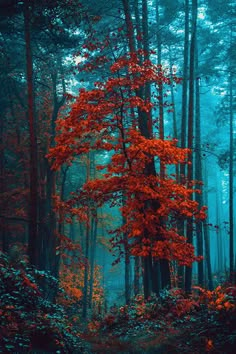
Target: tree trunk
x,y
175,132
3,230
88,234
185,85
160,84
182,224
188,272
220,263
156,280
232,277
198,173
86,271
92,258
127,262
129,25
33,242
136,276
138,24
164,264
206,235
147,276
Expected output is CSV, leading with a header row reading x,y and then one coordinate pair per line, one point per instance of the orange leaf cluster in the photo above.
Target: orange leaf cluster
x,y
219,299
101,119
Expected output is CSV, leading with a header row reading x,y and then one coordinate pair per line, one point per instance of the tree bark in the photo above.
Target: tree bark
x,y
33,242
232,277
198,172
188,271
182,224
136,276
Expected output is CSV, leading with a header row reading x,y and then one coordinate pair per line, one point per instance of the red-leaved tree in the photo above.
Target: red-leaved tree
x,y
107,119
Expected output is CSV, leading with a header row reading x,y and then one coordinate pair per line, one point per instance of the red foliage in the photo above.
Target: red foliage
x,y
102,119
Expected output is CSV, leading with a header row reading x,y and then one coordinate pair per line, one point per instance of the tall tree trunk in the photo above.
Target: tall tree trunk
x,y
3,230
159,62
182,225
185,84
93,236
164,264
175,132
208,255
129,25
188,271
198,172
232,277
220,263
86,271
50,258
92,258
138,24
88,233
33,242
127,263
206,235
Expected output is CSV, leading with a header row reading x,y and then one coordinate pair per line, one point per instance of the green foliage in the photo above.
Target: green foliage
x,y
28,319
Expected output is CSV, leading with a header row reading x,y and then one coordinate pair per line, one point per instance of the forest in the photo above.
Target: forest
x,y
117,176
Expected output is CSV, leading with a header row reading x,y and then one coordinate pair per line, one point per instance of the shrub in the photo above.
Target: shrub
x,y
28,320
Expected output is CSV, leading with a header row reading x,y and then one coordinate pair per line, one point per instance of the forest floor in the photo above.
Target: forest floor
x,y
196,334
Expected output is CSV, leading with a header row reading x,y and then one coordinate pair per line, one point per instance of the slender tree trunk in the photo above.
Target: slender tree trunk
x,y
60,225
175,132
86,271
129,25
188,271
3,233
164,264
127,263
156,279
33,242
206,236
92,258
198,172
185,85
147,276
138,24
232,277
53,240
136,275
87,246
182,225
159,62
